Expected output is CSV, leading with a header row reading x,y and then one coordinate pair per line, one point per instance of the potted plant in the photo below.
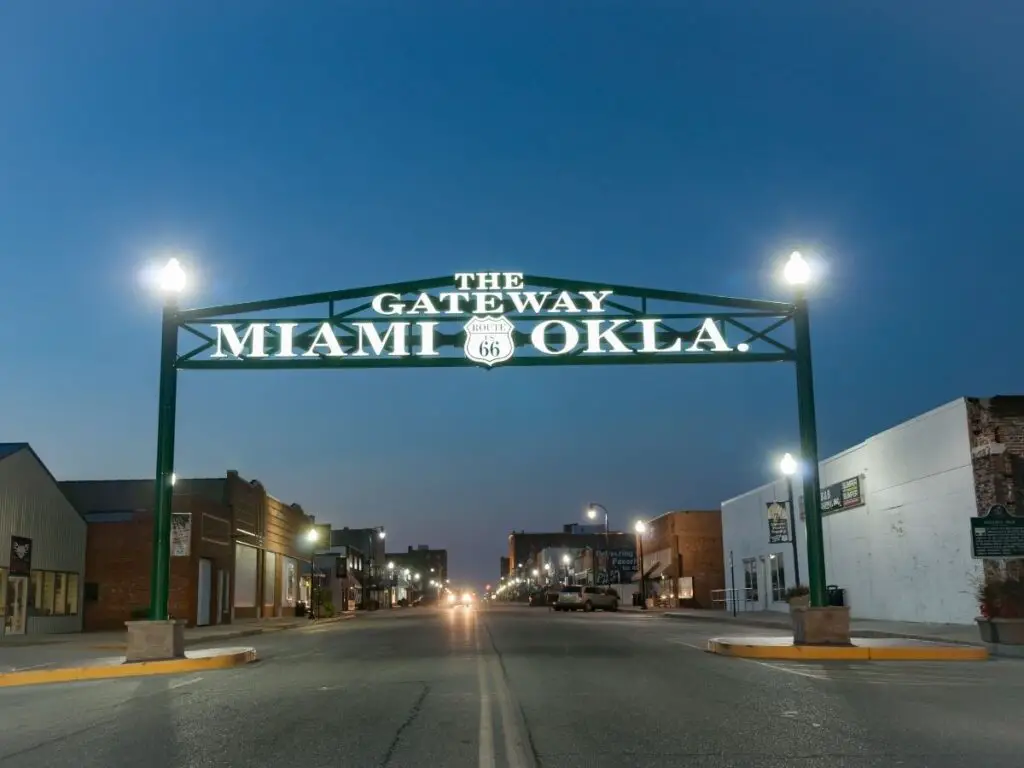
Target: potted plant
x,y
798,596
1001,604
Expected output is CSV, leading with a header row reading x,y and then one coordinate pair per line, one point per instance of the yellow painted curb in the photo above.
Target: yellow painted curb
x,y
920,652
138,669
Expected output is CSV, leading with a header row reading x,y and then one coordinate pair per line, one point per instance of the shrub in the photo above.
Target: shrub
x,y
1001,597
799,590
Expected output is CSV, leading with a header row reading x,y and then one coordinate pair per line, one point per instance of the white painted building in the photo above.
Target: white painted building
x,y
903,554
42,549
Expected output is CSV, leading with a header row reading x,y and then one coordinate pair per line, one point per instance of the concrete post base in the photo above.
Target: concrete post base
x,y
155,640
820,626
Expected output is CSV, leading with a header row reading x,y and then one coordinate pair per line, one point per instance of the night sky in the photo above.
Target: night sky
x,y
685,145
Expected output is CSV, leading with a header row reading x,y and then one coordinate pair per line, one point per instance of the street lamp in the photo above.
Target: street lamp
x,y
641,528
592,514
171,282
312,536
797,273
788,467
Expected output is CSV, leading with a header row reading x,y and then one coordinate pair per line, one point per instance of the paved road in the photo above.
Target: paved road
x,y
515,687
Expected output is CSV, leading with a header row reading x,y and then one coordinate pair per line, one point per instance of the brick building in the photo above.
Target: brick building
x,y
896,517
235,553
682,559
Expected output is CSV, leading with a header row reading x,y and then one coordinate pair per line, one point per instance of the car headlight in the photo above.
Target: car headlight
x,y
467,598
451,598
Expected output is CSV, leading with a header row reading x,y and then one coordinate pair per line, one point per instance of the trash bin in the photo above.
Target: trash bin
x,y
836,596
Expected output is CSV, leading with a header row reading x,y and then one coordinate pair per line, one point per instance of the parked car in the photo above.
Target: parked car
x,y
587,599
545,598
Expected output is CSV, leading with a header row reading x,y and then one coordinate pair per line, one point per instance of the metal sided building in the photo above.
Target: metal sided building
x,y
42,549
897,513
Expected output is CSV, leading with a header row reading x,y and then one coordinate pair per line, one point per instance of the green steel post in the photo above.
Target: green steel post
x,y
809,452
160,575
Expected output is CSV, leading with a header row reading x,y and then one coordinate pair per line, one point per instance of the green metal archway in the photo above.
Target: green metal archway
x,y
488,320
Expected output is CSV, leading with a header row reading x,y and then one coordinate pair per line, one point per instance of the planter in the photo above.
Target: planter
x,y
828,625
1001,631
801,601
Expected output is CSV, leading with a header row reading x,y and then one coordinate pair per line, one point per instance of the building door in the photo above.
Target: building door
x,y
17,605
205,587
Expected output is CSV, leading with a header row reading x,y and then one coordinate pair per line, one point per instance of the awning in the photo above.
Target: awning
x,y
653,572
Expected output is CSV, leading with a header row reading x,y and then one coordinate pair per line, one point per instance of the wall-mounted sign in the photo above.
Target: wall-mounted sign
x,y
498,317
997,534
778,522
21,556
181,534
846,494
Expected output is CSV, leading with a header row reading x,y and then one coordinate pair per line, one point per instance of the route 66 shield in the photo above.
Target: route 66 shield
x,y
489,340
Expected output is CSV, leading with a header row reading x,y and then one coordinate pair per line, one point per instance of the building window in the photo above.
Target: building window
x,y
60,594
49,582
72,600
750,579
778,578
54,593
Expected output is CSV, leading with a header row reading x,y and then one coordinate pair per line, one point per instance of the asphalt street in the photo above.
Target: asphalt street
x,y
511,687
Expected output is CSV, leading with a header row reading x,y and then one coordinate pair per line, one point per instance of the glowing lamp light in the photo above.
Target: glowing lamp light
x,y
797,271
172,277
640,527
592,513
788,465
312,534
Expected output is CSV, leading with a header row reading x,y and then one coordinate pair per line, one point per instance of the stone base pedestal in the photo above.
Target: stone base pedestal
x,y
155,640
820,626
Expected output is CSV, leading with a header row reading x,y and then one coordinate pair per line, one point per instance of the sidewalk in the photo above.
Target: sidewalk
x,y
44,651
950,633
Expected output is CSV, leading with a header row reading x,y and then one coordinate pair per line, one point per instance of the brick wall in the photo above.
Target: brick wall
x,y
119,556
695,540
118,559
996,427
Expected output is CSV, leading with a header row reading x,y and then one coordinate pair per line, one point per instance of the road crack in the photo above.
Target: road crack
x,y
414,712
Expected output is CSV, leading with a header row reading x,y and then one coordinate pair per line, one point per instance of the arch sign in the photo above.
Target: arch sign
x,y
484,320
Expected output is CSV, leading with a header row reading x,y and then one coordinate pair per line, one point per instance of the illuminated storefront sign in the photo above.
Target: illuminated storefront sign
x,y
492,312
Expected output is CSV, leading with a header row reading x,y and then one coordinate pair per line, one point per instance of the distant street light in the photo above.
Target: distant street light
x,y
788,466
592,514
641,528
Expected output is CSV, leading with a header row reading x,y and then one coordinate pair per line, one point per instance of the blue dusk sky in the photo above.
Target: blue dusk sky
x,y
291,147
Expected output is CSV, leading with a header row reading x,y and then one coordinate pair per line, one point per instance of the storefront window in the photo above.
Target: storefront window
x,y
750,579
72,601
778,578
60,594
49,582
37,592
54,593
